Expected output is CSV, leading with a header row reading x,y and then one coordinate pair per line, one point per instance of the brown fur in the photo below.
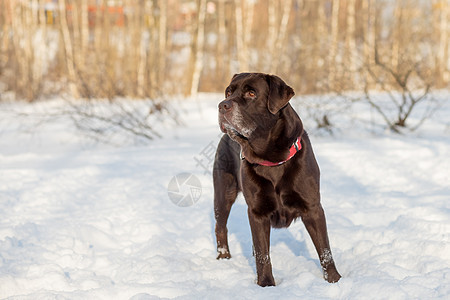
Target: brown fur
x,y
260,123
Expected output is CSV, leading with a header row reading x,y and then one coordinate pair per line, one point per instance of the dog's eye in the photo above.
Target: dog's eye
x,y
227,94
251,94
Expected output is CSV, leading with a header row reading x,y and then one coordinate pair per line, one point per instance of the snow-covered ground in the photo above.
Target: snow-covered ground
x,y
80,220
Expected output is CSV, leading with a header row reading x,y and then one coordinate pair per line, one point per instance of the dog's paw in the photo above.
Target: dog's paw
x,y
331,275
224,256
266,281
223,253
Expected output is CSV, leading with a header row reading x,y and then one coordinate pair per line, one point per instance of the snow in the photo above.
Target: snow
x,y
81,220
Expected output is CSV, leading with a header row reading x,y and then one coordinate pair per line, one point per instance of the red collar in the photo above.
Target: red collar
x,y
296,146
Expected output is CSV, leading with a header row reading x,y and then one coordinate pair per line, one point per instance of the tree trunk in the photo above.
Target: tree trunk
x,y
143,57
84,35
68,49
368,11
162,41
333,63
398,20
5,12
41,59
241,46
272,31
351,43
199,48
281,36
222,65
248,26
443,44
23,28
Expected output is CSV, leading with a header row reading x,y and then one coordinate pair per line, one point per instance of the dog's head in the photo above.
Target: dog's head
x,y
253,102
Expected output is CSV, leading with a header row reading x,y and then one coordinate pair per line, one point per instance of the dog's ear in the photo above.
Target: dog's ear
x,y
279,93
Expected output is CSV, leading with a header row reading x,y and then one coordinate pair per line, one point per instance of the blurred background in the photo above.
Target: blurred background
x,y
155,48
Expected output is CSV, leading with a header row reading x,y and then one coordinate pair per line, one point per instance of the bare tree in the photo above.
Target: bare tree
x,y
369,16
443,56
222,44
334,44
280,39
68,48
119,122
5,15
406,88
243,31
198,52
350,38
137,49
143,57
162,34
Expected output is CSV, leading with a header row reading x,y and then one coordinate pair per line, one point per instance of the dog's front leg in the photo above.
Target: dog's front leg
x,y
225,193
315,224
260,227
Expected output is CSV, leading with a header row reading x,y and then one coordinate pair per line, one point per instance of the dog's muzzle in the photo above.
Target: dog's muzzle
x,y
225,106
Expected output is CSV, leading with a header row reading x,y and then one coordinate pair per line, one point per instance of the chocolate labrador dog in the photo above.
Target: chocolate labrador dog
x,y
267,155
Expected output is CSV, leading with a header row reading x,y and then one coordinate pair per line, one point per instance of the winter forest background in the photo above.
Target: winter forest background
x,y
157,49
152,48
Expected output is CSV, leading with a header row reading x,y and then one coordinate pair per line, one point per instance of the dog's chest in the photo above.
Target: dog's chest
x,y
273,196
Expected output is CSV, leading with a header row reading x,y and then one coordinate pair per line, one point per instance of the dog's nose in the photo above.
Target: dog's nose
x,y
225,106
